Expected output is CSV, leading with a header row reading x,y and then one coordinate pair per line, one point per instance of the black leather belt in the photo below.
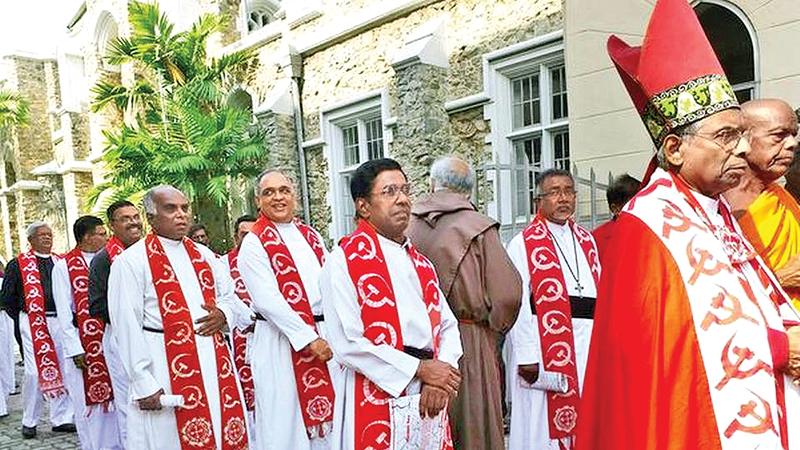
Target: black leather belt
x,y
317,317
581,307
152,330
419,353
50,314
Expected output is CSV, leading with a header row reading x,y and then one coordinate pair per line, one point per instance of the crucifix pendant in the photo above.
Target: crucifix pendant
x,y
579,287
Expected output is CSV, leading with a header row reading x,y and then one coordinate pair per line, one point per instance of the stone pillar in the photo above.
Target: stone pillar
x,y
422,132
276,117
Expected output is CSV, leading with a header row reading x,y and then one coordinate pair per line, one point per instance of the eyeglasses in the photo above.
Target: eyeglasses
x,y
392,191
556,193
727,139
270,192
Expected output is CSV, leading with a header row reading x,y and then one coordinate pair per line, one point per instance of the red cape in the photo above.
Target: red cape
x,y
645,385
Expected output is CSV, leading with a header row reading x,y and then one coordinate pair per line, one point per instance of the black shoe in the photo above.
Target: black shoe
x,y
65,428
28,432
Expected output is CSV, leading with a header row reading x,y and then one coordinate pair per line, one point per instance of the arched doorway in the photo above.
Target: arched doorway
x,y
733,38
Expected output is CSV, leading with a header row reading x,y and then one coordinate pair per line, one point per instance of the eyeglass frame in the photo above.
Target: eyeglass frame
x,y
742,135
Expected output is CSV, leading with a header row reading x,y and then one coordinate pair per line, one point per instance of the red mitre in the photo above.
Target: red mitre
x,y
674,78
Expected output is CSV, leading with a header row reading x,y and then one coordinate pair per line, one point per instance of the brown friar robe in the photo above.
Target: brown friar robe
x,y
483,289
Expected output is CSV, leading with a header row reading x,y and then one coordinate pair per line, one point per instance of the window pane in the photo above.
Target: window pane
x,y
374,138
348,209
528,158
350,145
744,94
558,83
525,101
561,150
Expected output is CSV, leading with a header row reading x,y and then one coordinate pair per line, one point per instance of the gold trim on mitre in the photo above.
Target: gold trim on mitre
x,y
687,103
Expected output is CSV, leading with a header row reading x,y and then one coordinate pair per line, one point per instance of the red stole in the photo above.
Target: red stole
x,y
240,337
195,427
551,303
51,383
370,274
114,247
314,386
96,377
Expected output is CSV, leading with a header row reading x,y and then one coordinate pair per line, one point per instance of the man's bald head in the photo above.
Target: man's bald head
x,y
168,212
772,126
453,174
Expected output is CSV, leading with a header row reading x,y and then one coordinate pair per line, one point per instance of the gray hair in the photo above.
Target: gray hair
x,y
453,174
269,171
32,228
149,201
681,132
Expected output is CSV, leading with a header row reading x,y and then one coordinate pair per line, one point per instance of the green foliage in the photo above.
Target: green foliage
x,y
13,110
180,129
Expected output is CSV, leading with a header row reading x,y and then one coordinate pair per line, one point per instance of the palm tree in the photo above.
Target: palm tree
x,y
13,110
179,128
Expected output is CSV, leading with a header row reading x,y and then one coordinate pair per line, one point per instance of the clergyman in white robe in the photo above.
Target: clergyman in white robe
x,y
391,369
133,305
529,415
97,429
279,421
8,379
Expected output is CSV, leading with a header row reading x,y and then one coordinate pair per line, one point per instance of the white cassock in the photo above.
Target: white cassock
x,y
391,369
279,421
132,305
529,417
97,429
61,409
8,379
244,319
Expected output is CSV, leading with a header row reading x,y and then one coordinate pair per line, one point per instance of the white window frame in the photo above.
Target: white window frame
x,y
270,28
755,85
333,120
499,68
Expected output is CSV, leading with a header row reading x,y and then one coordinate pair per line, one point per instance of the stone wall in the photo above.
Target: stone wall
x,y
422,133
35,145
361,64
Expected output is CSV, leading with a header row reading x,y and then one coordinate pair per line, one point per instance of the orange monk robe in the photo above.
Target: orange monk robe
x,y
772,224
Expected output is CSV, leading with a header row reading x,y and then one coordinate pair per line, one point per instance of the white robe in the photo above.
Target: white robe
x,y
529,416
132,305
391,369
279,420
97,429
7,352
245,315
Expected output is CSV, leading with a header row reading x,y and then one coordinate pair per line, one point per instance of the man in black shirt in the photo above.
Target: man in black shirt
x,y
126,226
12,297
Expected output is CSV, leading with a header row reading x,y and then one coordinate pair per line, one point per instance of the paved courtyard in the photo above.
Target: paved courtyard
x,y
11,436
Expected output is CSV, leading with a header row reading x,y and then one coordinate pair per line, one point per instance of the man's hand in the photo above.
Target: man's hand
x,y
80,361
212,323
320,349
789,275
439,374
151,403
432,400
529,372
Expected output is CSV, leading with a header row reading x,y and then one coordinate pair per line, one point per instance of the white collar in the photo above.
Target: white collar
x,y
386,241
559,228
42,255
170,242
709,205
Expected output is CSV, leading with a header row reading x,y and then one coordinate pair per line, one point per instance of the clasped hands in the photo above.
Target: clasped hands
x,y
440,383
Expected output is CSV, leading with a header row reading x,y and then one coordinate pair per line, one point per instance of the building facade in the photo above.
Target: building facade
x,y
514,86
